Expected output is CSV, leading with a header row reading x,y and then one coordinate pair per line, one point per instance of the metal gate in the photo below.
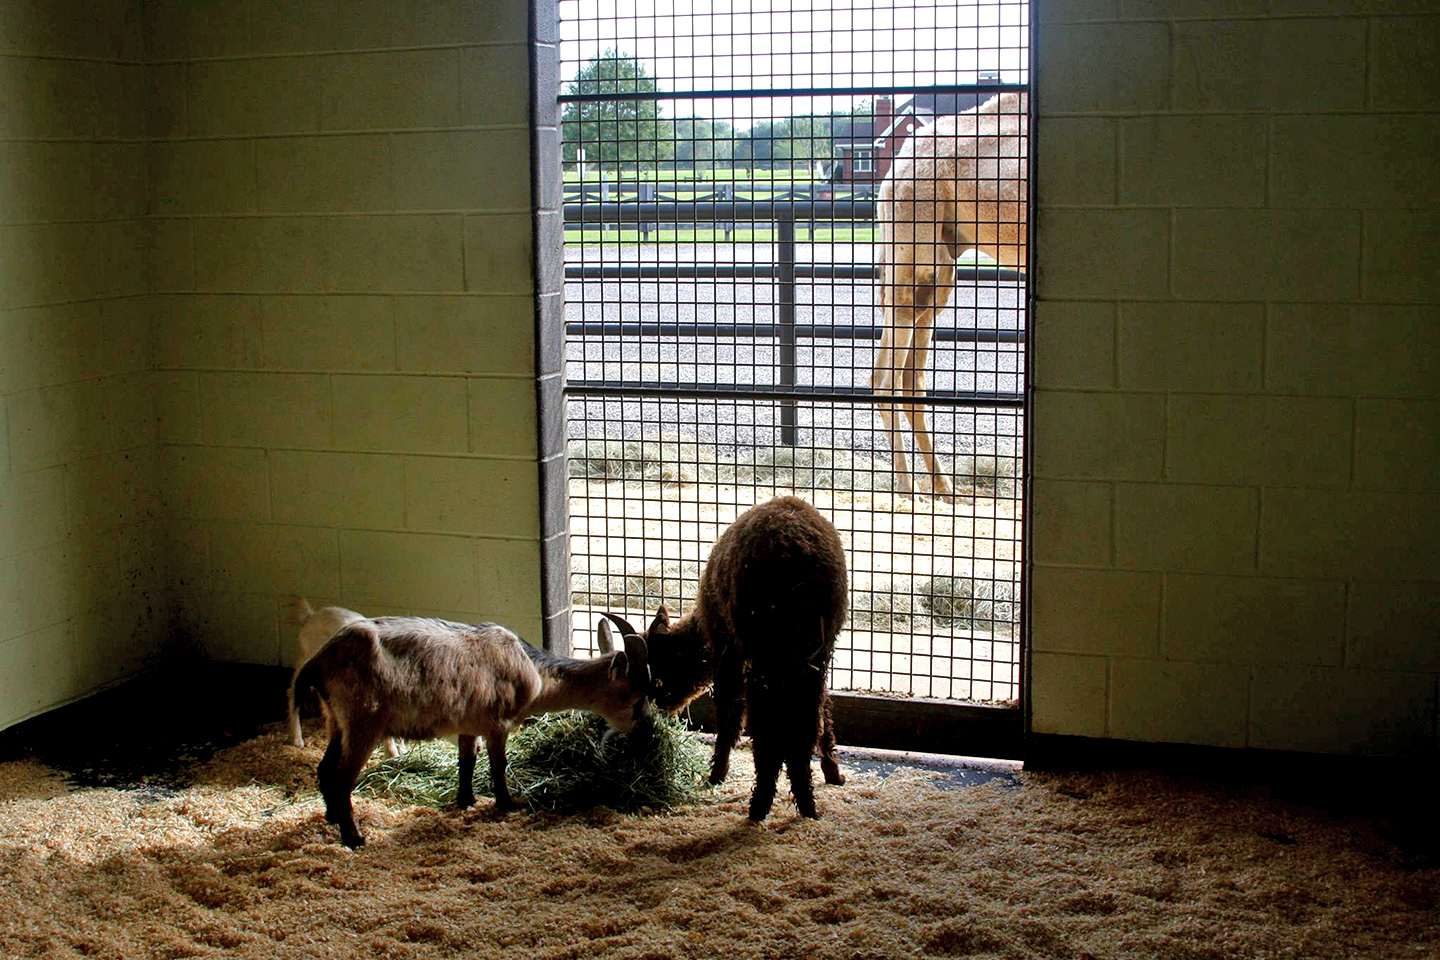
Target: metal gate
x,y
724,318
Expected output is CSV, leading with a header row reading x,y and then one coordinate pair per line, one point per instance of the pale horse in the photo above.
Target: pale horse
x,y
957,184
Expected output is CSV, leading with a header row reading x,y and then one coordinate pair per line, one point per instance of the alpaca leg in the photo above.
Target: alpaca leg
x,y
829,766
800,746
769,756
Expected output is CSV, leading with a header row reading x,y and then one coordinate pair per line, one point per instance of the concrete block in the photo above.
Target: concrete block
x,y
391,90
1302,255
1365,533
1355,161
236,628
463,170
187,555
339,333
396,254
1403,54
401,414
59,101
1270,65
181,29
1395,445
303,26
499,253
265,97
177,407
1394,626
1179,702
1079,156
1402,256
56,425
1253,620
1103,254
1346,350
37,671
1068,694
495,86
112,490
346,174
1185,528
1072,523
1075,345
1109,436
503,418
262,255
166,110
1193,161
265,409
494,498
32,509
510,581
1326,710
1110,612
1136,75
274,559
468,334
211,331
202,177
1277,441
1211,347
408,570
170,265
338,489
214,483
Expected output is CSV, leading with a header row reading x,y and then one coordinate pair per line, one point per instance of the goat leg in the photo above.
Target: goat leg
x,y
465,787
495,750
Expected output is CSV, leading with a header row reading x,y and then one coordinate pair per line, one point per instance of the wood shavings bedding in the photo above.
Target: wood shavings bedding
x,y
1085,866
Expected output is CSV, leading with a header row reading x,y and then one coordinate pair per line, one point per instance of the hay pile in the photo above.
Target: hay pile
x,y
1092,866
561,762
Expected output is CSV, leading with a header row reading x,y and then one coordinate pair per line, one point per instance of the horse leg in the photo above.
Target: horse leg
x,y
914,377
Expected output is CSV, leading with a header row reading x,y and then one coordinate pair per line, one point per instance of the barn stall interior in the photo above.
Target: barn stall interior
x,y
283,313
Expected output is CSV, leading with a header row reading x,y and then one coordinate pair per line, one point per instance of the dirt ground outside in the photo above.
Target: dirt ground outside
x,y
655,536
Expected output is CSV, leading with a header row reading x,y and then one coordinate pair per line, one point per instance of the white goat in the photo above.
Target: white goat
x,y
317,626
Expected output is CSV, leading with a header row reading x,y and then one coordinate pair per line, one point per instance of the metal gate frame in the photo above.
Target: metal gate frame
x,y
914,723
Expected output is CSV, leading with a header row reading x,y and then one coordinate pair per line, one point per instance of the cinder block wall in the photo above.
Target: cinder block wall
x,y
343,296
1237,437
81,591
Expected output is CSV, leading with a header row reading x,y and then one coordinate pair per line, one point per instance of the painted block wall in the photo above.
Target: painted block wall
x,y
1237,436
345,313
81,587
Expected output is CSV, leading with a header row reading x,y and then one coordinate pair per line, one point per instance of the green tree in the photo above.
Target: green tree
x,y
620,132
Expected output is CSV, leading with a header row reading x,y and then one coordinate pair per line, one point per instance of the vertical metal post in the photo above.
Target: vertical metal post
x,y
786,318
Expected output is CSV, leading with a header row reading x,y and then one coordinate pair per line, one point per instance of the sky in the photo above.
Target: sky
x,y
779,44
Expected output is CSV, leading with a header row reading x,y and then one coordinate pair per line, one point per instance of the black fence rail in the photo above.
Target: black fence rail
x,y
786,273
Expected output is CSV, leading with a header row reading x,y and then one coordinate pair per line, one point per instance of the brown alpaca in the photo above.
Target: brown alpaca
x,y
419,678
772,600
958,184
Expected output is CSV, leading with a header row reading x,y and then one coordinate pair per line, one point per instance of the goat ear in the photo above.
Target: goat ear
x,y
625,628
605,637
639,654
619,666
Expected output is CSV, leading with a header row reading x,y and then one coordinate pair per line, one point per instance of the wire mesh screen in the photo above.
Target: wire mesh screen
x,y
795,258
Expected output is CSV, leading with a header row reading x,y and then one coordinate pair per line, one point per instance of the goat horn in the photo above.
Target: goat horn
x,y
625,629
